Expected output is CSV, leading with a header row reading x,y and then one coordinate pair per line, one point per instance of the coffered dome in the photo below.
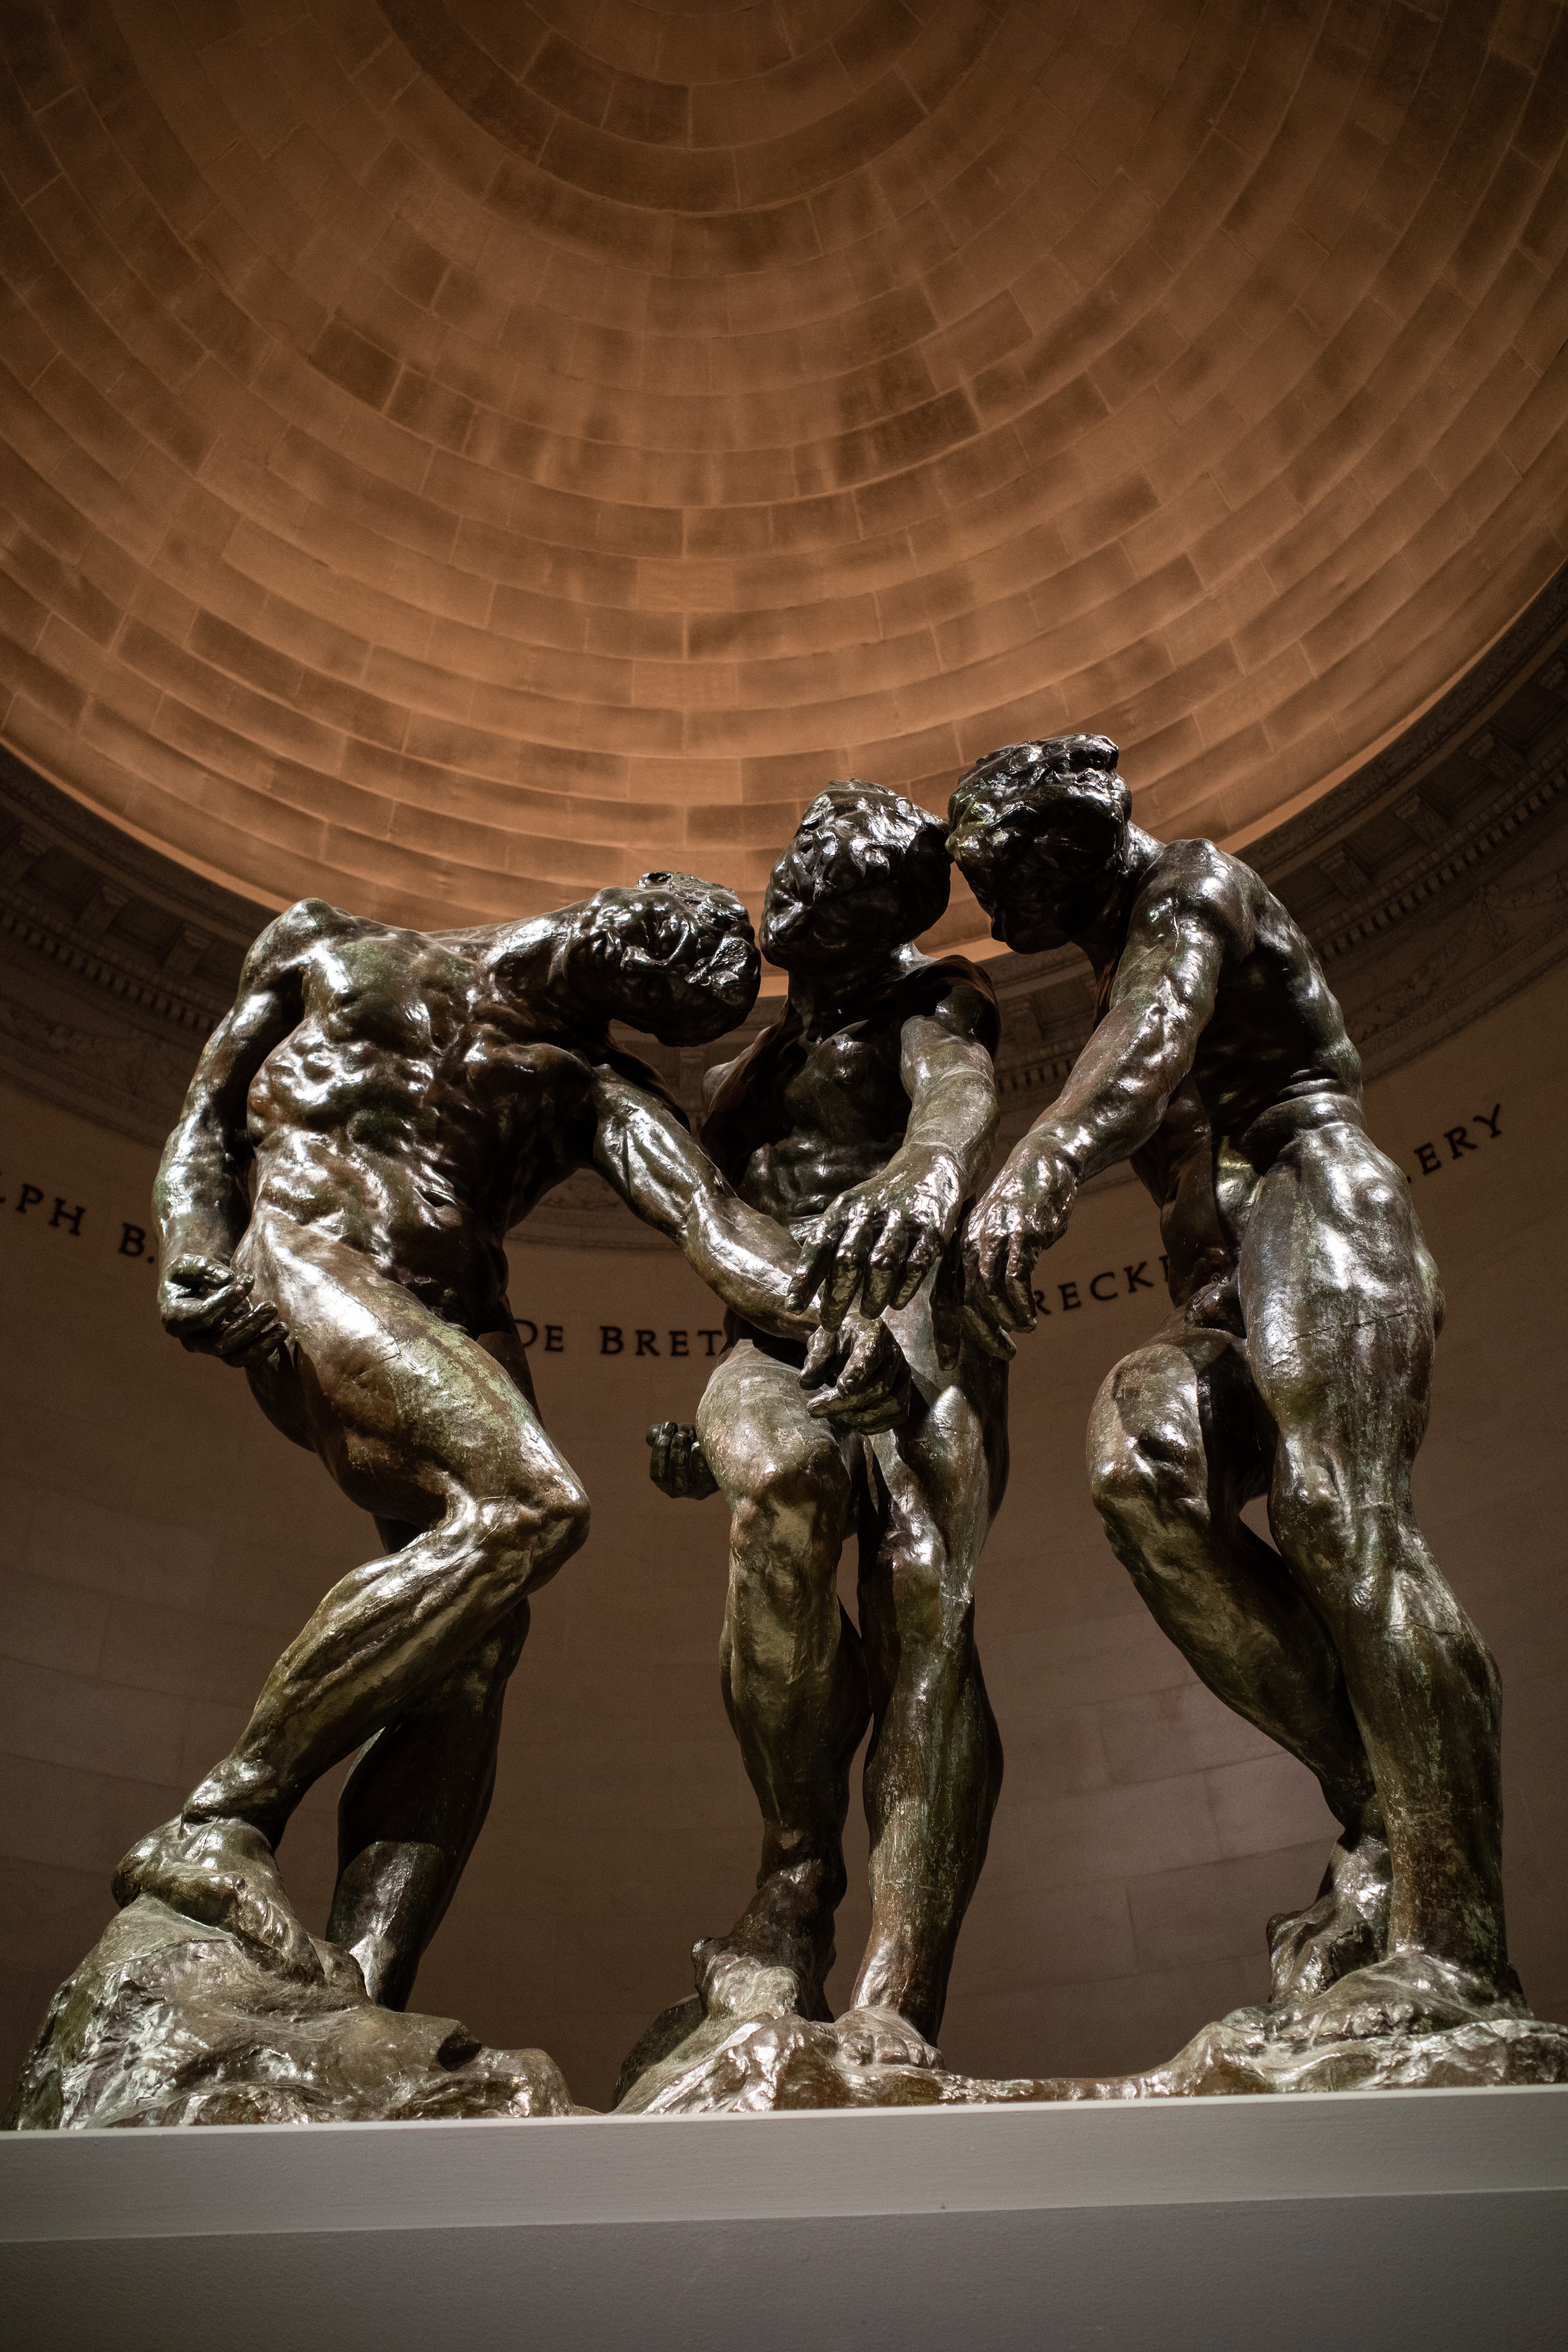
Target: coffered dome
x,y
460,453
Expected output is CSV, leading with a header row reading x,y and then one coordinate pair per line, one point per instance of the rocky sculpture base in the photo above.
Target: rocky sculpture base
x,y
168,2020
690,2063
171,2021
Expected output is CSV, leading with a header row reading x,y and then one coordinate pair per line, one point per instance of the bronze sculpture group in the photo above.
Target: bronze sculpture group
x,y
397,1103
381,1107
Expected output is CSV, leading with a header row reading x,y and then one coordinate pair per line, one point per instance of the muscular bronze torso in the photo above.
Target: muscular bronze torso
x,y
369,1120
1297,1367
846,1111
819,1103
417,1112
1273,1057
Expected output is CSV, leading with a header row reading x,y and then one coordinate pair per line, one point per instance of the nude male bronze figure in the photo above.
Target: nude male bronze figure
x,y
1297,1364
365,1125
861,1121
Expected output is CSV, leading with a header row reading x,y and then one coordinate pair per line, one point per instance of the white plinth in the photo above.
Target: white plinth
x,y
1333,2223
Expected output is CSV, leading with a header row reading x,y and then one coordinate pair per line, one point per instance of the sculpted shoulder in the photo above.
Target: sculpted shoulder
x,y
530,1077
1194,880
293,934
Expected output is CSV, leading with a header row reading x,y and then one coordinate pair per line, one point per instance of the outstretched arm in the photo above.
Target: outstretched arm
x,y
881,1238
200,1197
1117,1091
646,1155
1114,1099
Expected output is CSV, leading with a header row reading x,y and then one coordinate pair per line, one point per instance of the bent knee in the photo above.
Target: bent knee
x,y
782,1533
932,1597
1145,1474
525,1538
566,1515
785,1536
771,1488
1358,1557
1314,1520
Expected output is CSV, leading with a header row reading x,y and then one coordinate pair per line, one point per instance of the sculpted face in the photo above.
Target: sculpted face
x,y
673,955
1039,830
866,872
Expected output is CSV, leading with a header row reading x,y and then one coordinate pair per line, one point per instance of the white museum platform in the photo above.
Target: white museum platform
x,y
1426,2219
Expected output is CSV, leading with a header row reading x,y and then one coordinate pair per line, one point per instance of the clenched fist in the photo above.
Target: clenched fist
x,y
679,1465
208,1308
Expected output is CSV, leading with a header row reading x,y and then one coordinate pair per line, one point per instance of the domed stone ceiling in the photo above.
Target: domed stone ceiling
x,y
460,453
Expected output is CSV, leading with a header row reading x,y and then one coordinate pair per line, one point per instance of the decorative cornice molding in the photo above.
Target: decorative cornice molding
x,y
64,945
1394,889
1431,882
1526,652
109,1075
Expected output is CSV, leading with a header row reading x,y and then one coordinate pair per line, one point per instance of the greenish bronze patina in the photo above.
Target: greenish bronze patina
x,y
376,1114
1296,1365
378,1111
861,1121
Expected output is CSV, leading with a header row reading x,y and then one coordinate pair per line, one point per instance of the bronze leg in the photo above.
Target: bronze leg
x,y
1339,1295
417,1799
1175,1451
420,1424
413,1807
1178,1442
933,1773
794,1675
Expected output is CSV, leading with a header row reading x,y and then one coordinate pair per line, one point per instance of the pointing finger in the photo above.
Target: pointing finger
x,y
989,1259
1017,1290
825,1355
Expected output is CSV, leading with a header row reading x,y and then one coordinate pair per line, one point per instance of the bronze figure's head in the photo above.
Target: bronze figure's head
x,y
672,955
1038,831
866,872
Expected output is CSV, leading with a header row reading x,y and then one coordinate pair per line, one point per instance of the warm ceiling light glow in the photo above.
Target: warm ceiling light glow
x,y
463,453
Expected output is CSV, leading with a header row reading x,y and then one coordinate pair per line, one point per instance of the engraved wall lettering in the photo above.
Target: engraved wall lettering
x,y
1459,1140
